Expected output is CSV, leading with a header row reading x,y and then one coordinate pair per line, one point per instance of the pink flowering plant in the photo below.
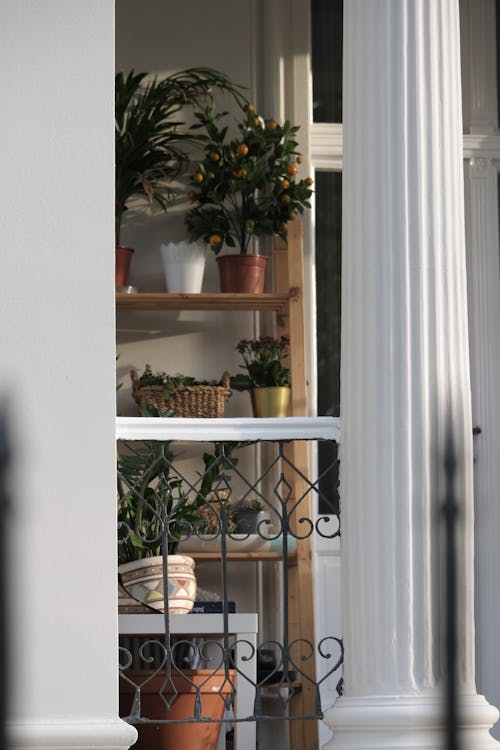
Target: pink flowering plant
x,y
263,361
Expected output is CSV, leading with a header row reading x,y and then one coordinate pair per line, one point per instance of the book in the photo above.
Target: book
x,y
212,608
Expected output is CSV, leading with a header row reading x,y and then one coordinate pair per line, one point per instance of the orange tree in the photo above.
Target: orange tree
x,y
246,186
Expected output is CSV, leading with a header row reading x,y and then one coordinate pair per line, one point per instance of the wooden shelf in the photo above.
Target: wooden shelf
x,y
295,685
204,301
287,304
242,556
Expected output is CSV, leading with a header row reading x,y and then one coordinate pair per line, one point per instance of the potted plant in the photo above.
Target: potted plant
x,y
183,395
266,377
153,516
251,517
245,188
151,143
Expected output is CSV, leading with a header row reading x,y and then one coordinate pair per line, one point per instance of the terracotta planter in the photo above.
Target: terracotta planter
x,y
242,273
213,690
270,402
123,256
143,581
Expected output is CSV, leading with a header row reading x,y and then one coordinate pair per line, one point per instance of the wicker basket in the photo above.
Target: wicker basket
x,y
187,400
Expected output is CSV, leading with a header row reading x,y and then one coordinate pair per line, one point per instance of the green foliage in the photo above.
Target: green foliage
x,y
150,141
251,505
169,382
245,187
154,510
262,359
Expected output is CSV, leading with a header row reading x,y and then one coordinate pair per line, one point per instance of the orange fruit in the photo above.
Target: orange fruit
x,y
198,177
285,184
285,198
299,160
215,156
214,239
309,181
271,124
242,149
191,195
293,215
292,169
249,108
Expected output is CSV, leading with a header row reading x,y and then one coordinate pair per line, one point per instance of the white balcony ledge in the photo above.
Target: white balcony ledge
x,y
203,430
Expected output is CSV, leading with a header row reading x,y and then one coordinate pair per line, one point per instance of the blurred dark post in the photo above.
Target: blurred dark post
x,y
4,505
451,514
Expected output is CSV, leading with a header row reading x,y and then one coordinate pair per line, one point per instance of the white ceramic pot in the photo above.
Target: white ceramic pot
x,y
183,266
143,581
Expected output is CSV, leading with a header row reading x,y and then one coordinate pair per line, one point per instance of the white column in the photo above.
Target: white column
x,y
405,377
484,313
58,372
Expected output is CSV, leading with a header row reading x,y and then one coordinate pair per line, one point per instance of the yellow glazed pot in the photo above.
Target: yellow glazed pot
x,y
270,402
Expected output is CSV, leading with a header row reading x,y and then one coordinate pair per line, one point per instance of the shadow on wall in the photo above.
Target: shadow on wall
x,y
4,508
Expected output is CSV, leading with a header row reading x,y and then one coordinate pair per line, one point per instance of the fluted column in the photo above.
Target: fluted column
x,y
405,376
483,276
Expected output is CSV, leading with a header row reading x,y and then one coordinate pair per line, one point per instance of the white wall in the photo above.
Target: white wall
x,y
57,370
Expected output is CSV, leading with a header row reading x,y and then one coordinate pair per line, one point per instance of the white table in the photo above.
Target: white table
x,y
243,626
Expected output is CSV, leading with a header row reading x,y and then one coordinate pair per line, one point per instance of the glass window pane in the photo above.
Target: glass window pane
x,y
326,25
328,197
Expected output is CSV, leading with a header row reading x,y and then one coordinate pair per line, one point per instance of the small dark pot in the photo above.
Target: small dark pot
x,y
253,522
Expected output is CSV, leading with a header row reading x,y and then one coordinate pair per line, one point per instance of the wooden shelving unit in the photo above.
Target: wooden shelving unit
x,y
244,556
165,301
287,304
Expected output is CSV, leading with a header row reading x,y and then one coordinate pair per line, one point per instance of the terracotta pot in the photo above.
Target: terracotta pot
x,y
123,256
143,581
242,273
213,691
270,402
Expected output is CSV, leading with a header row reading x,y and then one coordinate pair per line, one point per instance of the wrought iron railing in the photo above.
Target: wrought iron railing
x,y
182,484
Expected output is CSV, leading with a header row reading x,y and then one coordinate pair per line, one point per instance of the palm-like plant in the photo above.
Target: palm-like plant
x,y
150,142
154,511
153,514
